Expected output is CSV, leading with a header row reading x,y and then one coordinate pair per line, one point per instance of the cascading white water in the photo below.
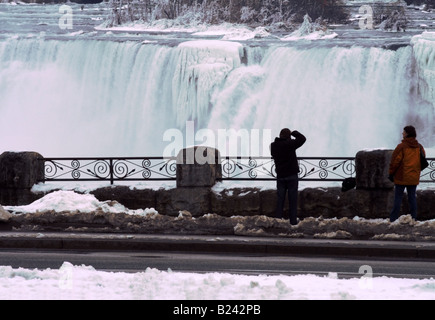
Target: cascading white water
x,y
85,97
424,48
108,98
343,99
201,67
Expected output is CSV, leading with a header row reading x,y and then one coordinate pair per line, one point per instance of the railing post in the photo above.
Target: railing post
x,y
19,171
372,169
111,172
198,167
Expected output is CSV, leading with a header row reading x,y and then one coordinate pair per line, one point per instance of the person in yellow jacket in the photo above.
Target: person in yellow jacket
x,y
405,170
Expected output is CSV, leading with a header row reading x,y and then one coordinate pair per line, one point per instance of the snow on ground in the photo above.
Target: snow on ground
x,y
71,282
60,201
84,282
227,31
310,31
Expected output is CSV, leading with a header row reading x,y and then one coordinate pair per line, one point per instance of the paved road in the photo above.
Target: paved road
x,y
137,261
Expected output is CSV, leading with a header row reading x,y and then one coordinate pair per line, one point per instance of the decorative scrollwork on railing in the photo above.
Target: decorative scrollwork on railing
x,y
101,169
121,170
233,168
248,168
428,174
110,169
311,169
330,169
229,167
51,169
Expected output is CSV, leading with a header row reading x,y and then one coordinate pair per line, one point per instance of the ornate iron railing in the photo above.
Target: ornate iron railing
x,y
428,174
110,169
233,168
311,168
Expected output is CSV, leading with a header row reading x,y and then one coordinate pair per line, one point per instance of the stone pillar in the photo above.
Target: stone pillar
x,y
198,169
372,169
374,192
19,171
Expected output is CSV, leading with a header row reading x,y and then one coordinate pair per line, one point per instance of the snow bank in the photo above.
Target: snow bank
x,y
162,25
83,212
71,282
310,31
61,201
225,31
234,32
248,34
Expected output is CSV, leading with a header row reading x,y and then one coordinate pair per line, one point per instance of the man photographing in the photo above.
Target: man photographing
x,y
283,151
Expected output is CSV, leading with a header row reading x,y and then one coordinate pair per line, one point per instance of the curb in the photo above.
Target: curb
x,y
217,244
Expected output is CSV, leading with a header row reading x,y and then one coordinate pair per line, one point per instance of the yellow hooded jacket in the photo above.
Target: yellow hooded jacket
x,y
405,162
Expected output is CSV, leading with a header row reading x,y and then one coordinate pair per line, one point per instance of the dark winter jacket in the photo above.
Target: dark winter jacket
x,y
405,162
284,154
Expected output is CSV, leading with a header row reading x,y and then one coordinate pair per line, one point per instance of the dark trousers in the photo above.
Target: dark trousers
x,y
288,185
412,200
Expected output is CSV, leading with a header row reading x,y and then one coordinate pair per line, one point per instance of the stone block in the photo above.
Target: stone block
x,y
131,198
425,204
372,169
268,200
20,170
368,204
195,200
198,167
236,202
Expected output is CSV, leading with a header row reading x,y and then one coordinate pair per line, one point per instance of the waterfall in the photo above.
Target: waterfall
x,y
424,48
201,66
343,99
110,98
85,97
